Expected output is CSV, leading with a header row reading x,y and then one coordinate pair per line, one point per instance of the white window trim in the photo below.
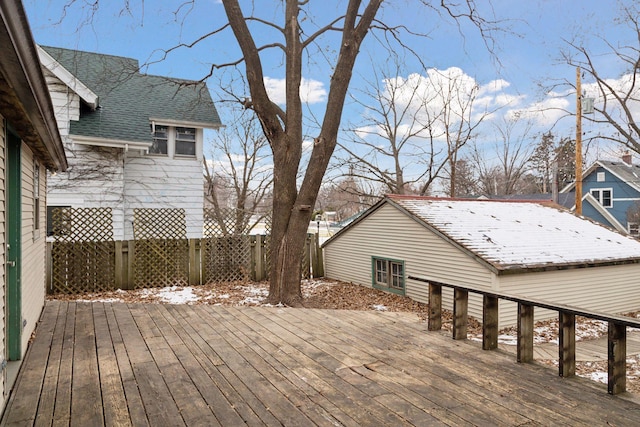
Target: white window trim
x,y
599,199
171,142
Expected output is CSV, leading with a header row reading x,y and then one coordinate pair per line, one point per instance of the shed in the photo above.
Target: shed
x,y
525,248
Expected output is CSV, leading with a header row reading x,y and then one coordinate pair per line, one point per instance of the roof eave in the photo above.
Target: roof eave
x,y
21,69
112,143
503,270
65,76
185,123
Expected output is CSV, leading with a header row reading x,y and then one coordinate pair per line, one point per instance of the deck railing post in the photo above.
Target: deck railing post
x,y
525,333
617,358
489,322
566,344
435,307
460,318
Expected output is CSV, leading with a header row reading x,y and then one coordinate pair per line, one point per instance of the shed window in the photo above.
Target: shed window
x,y
604,196
388,274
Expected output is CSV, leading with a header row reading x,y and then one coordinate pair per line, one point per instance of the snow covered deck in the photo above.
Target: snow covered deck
x,y
153,364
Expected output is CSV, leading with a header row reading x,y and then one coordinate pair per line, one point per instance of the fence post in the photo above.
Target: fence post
x,y
131,259
194,262
316,254
566,344
48,267
435,307
489,322
525,333
119,276
256,253
460,310
617,362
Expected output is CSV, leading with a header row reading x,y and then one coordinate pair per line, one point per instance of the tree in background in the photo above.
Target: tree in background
x,y
506,173
554,159
413,129
617,102
238,179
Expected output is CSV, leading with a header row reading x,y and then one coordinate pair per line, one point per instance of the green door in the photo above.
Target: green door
x,y
13,304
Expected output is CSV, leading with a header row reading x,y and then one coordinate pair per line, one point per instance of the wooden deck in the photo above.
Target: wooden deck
x,y
95,364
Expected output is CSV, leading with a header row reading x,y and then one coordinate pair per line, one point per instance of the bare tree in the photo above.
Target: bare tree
x,y
397,135
413,129
554,159
505,173
618,100
238,177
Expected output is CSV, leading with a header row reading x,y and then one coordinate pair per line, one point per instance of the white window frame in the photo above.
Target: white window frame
x,y
193,131
598,194
156,138
600,177
633,228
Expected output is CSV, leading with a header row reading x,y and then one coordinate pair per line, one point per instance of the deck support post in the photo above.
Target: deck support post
x,y
525,333
460,318
617,351
435,307
489,322
566,344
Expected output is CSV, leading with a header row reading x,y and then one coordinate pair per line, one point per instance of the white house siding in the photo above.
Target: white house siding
x,y
33,249
163,182
611,289
390,233
66,103
3,241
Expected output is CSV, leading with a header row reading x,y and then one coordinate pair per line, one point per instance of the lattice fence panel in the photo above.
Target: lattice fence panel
x,y
83,250
226,247
161,248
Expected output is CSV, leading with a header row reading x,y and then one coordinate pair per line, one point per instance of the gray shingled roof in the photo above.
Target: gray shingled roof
x,y
626,172
128,99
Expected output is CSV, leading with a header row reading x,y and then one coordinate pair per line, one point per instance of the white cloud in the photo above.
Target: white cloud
x,y
311,91
544,113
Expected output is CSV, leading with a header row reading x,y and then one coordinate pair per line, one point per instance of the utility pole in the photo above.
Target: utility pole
x,y
578,143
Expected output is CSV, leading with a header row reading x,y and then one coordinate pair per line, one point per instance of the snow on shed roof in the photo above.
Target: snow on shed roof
x,y
521,235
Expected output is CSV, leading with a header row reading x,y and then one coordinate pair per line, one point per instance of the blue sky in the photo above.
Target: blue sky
x,y
525,58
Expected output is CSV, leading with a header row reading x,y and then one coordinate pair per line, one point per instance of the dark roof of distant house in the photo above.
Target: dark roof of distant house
x,y
564,199
128,99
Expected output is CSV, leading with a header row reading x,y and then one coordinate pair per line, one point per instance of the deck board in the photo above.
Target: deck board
x,y
145,364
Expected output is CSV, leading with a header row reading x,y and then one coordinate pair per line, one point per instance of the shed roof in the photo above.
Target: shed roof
x,y
129,100
517,235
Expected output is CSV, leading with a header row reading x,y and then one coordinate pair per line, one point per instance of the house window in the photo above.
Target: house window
x,y
160,140
604,196
388,274
634,229
600,177
186,141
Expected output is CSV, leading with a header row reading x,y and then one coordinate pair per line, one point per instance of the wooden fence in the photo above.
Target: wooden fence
x,y
617,333
203,265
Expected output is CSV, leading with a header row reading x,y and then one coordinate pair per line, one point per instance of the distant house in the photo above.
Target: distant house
x,y
29,145
611,191
524,248
133,140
